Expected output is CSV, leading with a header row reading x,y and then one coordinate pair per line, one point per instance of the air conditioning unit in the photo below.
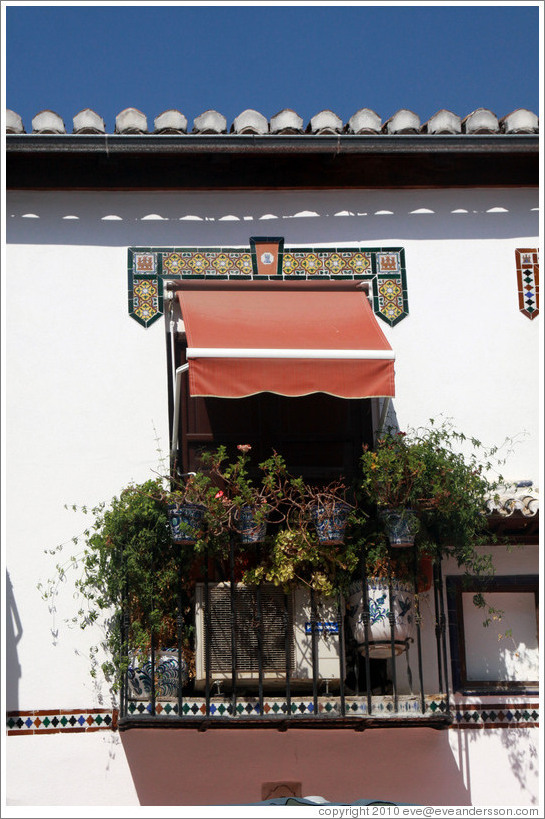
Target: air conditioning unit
x,y
286,636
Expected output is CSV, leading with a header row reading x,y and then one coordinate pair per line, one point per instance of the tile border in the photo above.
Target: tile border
x,y
383,267
90,720
59,720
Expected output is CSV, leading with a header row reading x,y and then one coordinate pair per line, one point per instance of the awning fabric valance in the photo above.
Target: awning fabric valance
x,y
292,343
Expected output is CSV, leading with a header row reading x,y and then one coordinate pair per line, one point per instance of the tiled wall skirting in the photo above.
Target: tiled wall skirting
x,y
80,720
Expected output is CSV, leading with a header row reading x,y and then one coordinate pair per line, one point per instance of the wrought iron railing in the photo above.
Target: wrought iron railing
x,y
265,657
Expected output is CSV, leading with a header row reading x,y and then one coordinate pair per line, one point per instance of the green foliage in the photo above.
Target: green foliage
x,y
263,488
442,475
296,557
128,560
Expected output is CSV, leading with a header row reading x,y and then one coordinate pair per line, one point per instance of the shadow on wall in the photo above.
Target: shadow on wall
x,y
230,767
303,217
14,632
522,756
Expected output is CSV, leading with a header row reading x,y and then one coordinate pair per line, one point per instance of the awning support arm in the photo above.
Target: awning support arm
x,y
383,414
176,413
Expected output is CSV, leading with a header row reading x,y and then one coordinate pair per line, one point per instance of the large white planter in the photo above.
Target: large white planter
x,y
403,606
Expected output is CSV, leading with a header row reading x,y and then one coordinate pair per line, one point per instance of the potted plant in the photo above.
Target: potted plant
x,y
383,589
130,582
389,478
193,504
437,479
326,508
250,498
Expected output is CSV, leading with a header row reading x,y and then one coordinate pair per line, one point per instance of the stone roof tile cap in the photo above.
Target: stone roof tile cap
x,y
88,121
325,122
520,121
403,121
171,121
48,122
210,122
250,121
364,121
443,122
286,121
14,123
480,121
131,121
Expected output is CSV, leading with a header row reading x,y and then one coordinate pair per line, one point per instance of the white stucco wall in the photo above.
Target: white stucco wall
x,y
86,384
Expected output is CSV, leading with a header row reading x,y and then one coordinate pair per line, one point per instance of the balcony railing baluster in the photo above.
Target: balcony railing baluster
x,y
392,619
314,637
233,625
418,620
342,669
438,638
180,624
444,636
366,620
207,635
287,648
259,638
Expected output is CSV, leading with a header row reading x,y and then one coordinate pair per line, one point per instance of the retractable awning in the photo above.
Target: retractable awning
x,y
292,342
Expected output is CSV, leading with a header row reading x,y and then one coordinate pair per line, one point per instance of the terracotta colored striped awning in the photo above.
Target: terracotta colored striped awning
x,y
289,342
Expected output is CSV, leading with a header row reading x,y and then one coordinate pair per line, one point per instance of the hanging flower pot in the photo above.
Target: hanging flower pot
x,y
167,669
250,524
402,605
330,521
186,522
401,526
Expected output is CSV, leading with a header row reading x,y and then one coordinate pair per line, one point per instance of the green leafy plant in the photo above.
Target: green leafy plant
x,y
261,489
296,557
129,565
445,477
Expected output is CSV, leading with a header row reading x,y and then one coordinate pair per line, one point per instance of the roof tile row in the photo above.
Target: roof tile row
x,y
364,121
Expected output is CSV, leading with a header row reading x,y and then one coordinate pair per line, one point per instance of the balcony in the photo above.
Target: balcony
x,y
259,657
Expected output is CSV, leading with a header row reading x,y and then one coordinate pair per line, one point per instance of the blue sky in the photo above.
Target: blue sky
x,y
155,57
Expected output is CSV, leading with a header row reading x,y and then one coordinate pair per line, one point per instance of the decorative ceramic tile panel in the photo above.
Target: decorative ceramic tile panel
x,y
497,715
247,707
489,715
57,720
267,258
528,281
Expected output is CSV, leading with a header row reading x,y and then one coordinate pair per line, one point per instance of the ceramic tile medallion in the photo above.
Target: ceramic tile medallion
x,y
267,258
527,260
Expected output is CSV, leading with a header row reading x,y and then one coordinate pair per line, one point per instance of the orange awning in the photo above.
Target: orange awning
x,y
289,342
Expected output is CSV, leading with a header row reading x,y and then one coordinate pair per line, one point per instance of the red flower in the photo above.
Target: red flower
x,y
244,448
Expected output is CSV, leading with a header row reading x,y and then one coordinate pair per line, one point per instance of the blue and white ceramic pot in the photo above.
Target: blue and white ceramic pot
x,y
186,522
330,521
139,676
401,526
250,529
402,604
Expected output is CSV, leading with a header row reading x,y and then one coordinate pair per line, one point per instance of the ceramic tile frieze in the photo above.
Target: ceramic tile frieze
x,y
267,258
527,261
491,715
57,721
249,707
497,715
